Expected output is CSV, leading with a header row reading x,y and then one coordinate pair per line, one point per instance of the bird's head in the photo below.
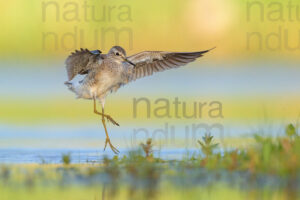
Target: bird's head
x,y
119,54
117,51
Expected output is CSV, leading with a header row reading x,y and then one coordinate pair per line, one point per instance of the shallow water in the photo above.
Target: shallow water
x,y
51,156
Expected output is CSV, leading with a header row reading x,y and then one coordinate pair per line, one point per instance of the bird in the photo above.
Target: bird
x,y
101,74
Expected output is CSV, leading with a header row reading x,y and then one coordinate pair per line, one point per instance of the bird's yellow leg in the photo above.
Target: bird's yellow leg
x,y
109,118
114,149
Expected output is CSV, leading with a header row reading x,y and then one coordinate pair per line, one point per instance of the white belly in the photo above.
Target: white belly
x,y
99,89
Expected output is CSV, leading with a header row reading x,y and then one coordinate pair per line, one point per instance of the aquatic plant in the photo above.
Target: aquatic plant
x,y
66,159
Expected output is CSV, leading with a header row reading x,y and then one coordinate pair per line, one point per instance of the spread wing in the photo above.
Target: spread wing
x,y
80,62
148,62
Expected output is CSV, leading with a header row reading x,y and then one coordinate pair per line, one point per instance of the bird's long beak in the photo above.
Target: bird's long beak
x,y
129,61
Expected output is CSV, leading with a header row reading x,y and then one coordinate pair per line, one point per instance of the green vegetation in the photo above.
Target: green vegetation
x,y
66,159
268,169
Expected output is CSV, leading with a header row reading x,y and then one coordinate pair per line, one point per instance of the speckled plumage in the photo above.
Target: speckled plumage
x,y
106,73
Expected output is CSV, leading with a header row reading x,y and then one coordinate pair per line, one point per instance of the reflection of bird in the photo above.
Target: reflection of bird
x,y
105,73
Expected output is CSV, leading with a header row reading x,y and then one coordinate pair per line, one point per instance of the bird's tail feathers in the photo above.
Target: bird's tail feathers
x,y
70,86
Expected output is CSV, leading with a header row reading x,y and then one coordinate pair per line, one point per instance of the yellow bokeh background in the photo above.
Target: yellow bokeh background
x,y
166,25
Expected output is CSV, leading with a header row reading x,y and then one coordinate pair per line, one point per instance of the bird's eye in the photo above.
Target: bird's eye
x,y
117,54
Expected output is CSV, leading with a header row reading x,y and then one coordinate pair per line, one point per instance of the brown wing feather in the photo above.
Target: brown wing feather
x,y
80,62
148,62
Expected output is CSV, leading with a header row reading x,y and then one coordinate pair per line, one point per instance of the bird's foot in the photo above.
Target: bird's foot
x,y
110,119
114,149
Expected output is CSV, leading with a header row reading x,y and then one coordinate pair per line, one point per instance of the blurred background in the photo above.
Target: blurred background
x,y
249,84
